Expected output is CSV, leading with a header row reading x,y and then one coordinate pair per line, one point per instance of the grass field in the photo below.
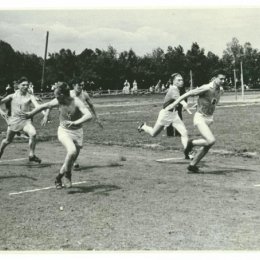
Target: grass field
x,y
135,203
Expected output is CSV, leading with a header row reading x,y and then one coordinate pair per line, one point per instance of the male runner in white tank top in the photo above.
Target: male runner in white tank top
x,y
208,98
21,101
171,117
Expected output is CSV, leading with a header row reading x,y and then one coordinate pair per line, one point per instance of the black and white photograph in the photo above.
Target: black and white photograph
x,y
130,129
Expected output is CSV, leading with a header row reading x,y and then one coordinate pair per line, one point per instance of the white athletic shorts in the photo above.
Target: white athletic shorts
x,y
16,124
199,118
167,118
75,135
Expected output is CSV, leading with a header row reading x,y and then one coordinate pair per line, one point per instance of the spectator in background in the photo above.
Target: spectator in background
x,y
163,88
135,87
31,88
8,91
158,87
127,87
151,89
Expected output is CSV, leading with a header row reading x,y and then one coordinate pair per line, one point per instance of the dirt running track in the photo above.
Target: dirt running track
x,y
134,204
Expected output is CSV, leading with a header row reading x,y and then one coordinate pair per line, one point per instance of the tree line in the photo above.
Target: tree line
x,y
108,69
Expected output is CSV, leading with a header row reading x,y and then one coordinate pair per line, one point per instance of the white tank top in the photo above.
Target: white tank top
x,y
20,103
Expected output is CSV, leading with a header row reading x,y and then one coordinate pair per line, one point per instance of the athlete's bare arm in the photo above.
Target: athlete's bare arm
x,y
185,106
92,108
86,115
6,99
193,92
49,105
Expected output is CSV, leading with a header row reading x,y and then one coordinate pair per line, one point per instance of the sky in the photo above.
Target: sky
x,y
141,30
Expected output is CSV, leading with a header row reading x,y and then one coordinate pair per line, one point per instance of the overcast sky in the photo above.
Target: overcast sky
x,y
141,30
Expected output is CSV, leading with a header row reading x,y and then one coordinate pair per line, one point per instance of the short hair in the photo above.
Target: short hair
x,y
174,75
62,89
22,79
218,72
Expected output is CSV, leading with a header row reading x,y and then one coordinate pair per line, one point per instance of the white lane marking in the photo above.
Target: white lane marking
x,y
169,159
40,189
13,160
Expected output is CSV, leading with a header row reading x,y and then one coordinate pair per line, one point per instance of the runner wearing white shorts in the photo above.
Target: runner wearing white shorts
x,y
21,101
73,113
170,117
209,96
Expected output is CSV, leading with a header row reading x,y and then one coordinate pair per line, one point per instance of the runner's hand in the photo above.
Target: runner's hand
x,y
67,123
189,111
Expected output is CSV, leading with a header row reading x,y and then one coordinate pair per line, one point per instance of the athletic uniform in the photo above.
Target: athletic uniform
x,y
206,104
70,113
19,103
167,118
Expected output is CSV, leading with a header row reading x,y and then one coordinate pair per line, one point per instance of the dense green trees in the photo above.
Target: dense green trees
x,y
108,69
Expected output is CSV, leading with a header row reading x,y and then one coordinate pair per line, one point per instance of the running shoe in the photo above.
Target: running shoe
x,y
34,159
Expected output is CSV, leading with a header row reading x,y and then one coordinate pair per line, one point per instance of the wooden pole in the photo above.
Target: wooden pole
x,y
242,81
45,54
235,81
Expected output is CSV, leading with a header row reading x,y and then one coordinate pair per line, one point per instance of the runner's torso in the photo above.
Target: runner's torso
x,y
172,94
208,100
70,113
20,103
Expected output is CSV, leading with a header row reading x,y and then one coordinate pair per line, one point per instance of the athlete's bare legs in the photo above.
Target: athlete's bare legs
x,y
206,143
6,141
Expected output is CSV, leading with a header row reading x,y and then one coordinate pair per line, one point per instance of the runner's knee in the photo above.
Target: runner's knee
x,y
32,133
7,141
211,141
72,151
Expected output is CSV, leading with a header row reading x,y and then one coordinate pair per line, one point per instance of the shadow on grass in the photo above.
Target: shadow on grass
x,y
224,171
98,189
17,176
41,165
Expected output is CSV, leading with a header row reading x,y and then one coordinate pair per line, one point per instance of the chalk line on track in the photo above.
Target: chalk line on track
x,y
257,185
168,159
40,189
13,160
117,113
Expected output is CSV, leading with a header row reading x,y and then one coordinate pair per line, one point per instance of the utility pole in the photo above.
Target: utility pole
x,y
191,80
235,81
45,54
242,81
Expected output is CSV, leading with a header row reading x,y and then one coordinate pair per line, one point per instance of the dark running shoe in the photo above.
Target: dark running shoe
x,y
76,166
34,159
188,149
193,168
58,183
140,129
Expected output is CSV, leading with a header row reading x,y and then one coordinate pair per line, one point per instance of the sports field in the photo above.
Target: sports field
x,y
123,199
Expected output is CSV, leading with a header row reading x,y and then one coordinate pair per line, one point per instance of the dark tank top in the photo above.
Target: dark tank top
x,y
70,113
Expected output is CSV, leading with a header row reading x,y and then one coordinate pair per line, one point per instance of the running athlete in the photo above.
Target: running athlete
x,y
84,97
21,101
208,98
170,117
73,113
